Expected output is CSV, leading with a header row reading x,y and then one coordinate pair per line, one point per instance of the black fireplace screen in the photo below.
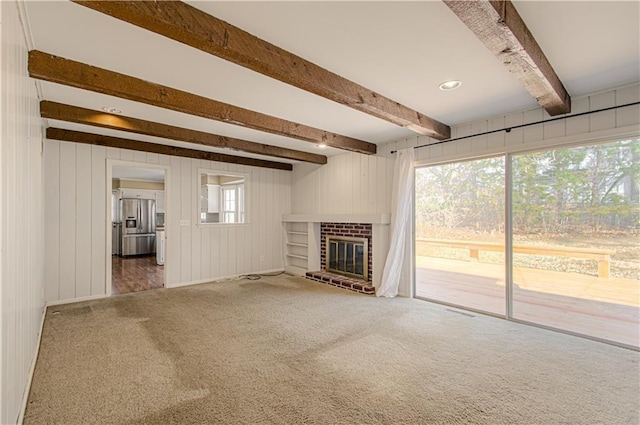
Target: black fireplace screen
x,y
348,256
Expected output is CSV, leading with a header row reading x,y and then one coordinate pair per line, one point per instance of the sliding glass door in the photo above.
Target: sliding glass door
x,y
576,249
575,238
460,234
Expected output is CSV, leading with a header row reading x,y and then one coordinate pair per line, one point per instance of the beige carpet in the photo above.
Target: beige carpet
x,y
285,350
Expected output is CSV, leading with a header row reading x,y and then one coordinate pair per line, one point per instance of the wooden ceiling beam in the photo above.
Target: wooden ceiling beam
x,y
62,112
116,142
193,27
499,26
59,70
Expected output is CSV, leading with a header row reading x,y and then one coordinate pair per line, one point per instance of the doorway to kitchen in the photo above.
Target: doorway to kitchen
x,y
137,228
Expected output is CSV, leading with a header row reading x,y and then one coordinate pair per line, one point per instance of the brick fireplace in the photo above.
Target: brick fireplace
x,y
349,232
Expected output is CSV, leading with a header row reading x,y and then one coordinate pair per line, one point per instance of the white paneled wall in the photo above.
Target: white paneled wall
x,y
600,126
76,214
348,184
21,217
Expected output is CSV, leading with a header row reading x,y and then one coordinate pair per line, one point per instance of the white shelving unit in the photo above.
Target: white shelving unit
x,y
299,256
296,257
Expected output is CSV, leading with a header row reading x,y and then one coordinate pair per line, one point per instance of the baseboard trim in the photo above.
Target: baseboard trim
x,y
32,368
220,279
75,300
190,283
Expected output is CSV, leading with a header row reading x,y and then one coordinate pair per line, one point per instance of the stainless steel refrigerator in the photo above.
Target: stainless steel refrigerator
x,y
138,226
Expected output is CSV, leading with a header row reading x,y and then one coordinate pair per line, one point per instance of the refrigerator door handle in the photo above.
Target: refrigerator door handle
x,y
139,216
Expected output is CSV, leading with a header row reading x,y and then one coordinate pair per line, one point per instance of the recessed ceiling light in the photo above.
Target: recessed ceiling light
x,y
450,85
111,110
321,145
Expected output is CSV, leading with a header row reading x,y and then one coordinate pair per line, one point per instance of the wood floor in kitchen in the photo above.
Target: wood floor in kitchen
x,y
135,274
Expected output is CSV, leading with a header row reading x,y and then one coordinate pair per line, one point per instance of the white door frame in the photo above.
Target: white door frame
x,y
109,220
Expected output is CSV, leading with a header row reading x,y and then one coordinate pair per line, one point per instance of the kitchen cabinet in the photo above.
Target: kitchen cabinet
x,y
137,193
160,201
210,198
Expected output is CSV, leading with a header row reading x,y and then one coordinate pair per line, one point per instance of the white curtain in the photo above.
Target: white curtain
x,y
401,202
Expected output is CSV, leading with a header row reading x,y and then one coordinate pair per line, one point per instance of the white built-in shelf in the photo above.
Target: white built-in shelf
x,y
302,257
298,254
296,270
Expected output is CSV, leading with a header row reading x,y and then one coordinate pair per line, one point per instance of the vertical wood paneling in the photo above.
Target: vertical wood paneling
x,y
385,177
262,222
224,251
449,149
185,214
516,136
554,129
285,182
495,140
83,231
463,146
205,252
126,155
606,119
67,221
196,243
353,181
164,159
274,211
113,153
139,156
232,251
435,151
152,158
534,132
52,220
479,142
243,259
372,199
98,219
578,125
363,202
173,260
629,115
255,223
215,252
325,192
22,238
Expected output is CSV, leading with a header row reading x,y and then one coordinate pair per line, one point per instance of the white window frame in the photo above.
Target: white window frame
x,y
242,216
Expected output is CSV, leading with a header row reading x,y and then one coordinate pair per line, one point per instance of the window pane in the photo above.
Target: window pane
x,y
576,248
459,213
221,198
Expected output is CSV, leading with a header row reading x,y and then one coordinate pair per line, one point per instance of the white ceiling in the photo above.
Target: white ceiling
x,y
402,50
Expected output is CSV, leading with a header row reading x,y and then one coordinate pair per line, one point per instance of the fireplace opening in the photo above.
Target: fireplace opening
x,y
348,256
